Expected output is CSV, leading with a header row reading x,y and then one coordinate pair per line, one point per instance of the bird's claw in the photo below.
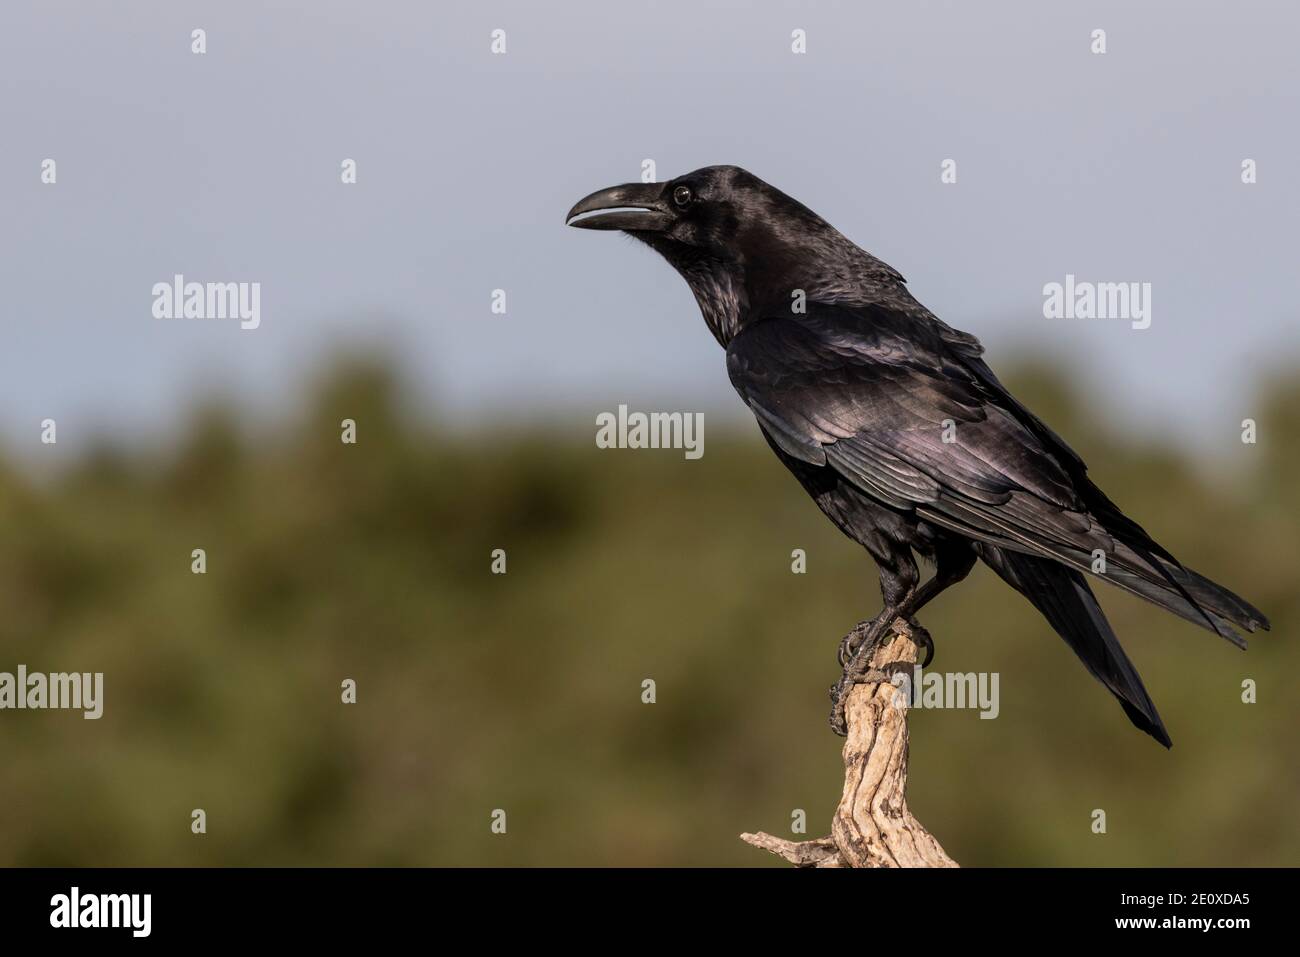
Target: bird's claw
x,y
840,695
850,643
921,638
855,652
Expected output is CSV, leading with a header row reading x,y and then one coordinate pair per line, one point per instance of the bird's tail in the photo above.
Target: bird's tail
x,y
1193,597
1062,595
1149,571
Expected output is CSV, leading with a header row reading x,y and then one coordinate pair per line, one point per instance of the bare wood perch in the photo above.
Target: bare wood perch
x,y
872,826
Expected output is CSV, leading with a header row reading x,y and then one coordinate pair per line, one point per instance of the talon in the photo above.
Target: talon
x,y
921,638
850,642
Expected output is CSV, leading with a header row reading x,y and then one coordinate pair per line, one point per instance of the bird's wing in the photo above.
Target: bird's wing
x,y
907,424
891,405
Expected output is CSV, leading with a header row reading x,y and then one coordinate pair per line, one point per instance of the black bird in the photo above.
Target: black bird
x,y
898,429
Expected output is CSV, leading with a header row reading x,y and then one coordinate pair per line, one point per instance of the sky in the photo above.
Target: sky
x,y
225,166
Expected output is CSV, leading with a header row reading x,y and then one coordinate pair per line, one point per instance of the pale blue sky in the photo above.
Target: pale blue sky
x,y
225,167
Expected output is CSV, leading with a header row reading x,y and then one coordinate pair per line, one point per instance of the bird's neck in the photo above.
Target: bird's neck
x,y
778,280
722,297
718,285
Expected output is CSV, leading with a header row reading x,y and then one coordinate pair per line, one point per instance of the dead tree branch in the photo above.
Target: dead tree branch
x,y
872,826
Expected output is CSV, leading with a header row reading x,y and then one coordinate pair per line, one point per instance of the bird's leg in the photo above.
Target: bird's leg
x,y
952,565
903,599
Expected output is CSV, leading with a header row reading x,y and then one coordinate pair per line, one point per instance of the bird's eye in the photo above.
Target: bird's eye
x,y
682,196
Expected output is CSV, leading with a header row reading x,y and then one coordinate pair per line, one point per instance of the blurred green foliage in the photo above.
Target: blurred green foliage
x,y
523,691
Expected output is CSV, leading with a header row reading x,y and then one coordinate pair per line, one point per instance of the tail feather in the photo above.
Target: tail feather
x,y
1220,600
1134,563
1213,606
1146,550
1062,595
1222,606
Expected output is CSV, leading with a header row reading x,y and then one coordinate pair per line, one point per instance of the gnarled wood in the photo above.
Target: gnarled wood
x,y
872,826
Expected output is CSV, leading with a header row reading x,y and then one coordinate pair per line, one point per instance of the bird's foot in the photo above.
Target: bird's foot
x,y
855,653
850,643
856,650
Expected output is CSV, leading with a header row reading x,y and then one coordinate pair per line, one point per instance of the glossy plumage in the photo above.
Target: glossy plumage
x,y
898,429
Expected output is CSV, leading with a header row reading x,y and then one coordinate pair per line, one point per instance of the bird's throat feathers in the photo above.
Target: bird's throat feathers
x,y
722,298
718,285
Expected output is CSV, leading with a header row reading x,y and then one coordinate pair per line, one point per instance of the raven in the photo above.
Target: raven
x,y
898,429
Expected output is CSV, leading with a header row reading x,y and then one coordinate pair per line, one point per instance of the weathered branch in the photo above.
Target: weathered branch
x,y
872,826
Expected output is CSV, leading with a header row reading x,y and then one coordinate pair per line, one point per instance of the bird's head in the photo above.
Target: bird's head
x,y
720,213
742,245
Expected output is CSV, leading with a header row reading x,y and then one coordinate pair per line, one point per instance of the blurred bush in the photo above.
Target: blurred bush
x,y
523,691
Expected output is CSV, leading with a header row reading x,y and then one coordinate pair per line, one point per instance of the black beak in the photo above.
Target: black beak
x,y
636,207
